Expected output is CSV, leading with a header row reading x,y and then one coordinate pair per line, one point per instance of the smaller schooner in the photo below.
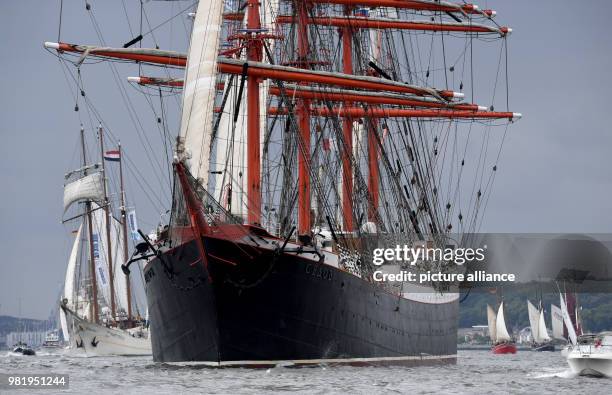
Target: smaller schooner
x,y
96,307
501,341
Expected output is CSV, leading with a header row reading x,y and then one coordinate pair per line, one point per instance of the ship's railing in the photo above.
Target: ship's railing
x,y
592,348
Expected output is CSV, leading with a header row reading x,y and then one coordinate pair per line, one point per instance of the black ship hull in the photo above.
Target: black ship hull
x,y
256,308
543,347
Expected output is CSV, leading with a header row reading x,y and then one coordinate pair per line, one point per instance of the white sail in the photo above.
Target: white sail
x,y
230,153
542,331
100,247
69,282
557,322
90,187
64,325
500,325
534,317
100,252
230,148
199,88
492,318
567,321
120,278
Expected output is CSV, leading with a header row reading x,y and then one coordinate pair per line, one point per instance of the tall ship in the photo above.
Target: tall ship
x,y
313,133
96,314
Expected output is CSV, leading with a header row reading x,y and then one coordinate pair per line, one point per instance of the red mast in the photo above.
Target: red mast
x,y
254,53
304,126
373,149
347,132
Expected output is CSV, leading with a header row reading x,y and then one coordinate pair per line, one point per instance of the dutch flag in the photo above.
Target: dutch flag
x,y
112,156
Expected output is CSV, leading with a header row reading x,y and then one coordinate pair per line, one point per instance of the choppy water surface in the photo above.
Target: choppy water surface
x,y
476,372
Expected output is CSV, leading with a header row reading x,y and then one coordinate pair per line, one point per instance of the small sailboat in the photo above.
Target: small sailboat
x,y
501,340
541,341
96,308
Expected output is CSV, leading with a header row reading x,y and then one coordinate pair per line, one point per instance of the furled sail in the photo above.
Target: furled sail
x,y
571,332
200,89
500,324
90,187
69,282
557,322
492,318
534,318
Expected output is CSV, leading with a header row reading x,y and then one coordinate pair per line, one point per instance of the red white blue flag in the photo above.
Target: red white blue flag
x,y
112,156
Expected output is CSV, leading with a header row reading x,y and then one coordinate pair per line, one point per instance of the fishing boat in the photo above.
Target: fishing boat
x,y
501,341
96,308
541,341
312,133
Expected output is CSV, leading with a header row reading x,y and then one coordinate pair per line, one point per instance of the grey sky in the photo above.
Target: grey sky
x,y
554,172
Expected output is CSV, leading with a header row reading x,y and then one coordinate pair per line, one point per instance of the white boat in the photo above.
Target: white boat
x,y
96,306
100,340
592,355
587,355
52,341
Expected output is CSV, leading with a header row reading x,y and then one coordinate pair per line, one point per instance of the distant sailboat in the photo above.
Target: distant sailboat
x,y
501,340
541,341
560,330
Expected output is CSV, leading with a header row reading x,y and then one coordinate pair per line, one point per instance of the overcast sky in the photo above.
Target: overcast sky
x,y
555,171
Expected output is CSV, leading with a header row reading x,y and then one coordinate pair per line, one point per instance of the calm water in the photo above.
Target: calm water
x,y
476,372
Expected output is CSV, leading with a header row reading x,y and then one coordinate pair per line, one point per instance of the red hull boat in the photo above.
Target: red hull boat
x,y
504,348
